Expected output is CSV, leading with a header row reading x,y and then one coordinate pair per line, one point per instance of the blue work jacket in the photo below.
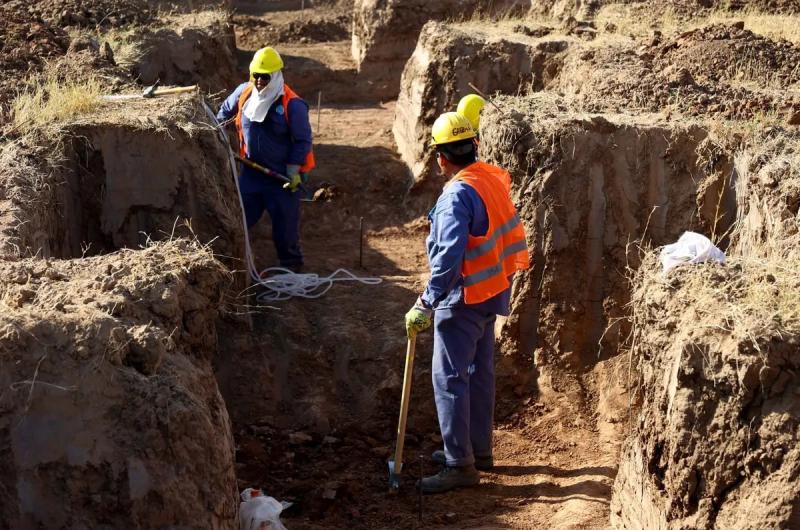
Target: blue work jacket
x,y
273,143
459,213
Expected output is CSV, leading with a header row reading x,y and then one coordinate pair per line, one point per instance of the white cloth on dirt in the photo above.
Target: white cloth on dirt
x,y
259,102
691,248
258,511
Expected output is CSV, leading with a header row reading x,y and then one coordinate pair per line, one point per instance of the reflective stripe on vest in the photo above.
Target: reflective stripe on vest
x,y
490,259
486,246
477,277
288,95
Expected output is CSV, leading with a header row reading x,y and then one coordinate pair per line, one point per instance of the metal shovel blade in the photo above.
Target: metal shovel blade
x,y
394,478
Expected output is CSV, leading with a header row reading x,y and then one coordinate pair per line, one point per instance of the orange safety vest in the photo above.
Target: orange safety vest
x,y
490,259
288,95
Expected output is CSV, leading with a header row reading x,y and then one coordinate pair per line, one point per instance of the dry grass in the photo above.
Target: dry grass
x,y
768,193
752,297
633,20
53,102
756,294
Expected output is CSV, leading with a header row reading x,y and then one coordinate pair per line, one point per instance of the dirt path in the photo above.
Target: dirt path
x,y
314,389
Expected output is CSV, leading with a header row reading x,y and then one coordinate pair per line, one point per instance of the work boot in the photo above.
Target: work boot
x,y
482,463
450,478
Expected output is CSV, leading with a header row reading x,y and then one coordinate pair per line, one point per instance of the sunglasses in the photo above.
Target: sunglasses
x,y
265,77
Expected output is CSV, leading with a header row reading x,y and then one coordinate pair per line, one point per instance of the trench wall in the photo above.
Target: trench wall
x,y
715,444
447,58
110,414
386,31
587,189
120,185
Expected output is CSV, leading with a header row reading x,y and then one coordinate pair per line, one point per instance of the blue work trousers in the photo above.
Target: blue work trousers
x,y
283,207
463,381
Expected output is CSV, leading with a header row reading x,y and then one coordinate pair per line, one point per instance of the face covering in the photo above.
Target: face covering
x,y
258,103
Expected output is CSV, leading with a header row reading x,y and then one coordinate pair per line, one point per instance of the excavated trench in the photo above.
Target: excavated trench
x,y
594,191
109,328
313,388
122,184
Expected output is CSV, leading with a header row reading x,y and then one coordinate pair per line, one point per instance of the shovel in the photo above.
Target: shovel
x,y
396,465
268,172
150,92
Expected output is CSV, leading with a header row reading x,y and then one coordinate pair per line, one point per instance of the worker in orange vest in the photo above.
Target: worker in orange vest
x,y
275,132
476,244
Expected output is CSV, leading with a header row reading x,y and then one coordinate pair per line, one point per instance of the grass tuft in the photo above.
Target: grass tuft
x,y
634,21
53,101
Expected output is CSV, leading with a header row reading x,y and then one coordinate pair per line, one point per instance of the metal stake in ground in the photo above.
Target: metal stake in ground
x,y
361,242
421,473
319,110
396,465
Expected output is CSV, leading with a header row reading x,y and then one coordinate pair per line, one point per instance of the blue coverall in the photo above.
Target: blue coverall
x,y
463,336
273,144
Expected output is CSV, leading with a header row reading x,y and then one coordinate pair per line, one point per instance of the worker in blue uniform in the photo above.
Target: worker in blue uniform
x,y
274,131
476,244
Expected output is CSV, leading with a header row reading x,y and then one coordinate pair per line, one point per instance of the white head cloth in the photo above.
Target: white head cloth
x,y
259,102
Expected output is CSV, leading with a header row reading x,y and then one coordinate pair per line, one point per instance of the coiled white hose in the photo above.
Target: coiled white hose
x,y
285,284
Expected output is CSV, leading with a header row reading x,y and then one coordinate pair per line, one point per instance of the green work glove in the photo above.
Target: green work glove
x,y
419,318
293,172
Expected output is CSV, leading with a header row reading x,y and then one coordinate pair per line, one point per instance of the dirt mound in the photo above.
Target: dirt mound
x,y
110,412
319,25
93,13
716,442
724,71
133,171
108,13
730,53
385,33
447,58
583,202
198,48
26,43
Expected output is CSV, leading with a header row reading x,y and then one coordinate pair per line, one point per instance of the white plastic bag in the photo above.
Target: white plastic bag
x,y
260,512
690,248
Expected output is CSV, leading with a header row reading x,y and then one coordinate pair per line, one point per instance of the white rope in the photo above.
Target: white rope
x,y
286,284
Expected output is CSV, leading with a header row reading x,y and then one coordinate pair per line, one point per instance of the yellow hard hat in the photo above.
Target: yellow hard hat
x,y
470,107
451,127
266,61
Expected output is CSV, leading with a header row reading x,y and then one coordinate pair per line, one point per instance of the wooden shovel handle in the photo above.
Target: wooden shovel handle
x,y
177,90
404,400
